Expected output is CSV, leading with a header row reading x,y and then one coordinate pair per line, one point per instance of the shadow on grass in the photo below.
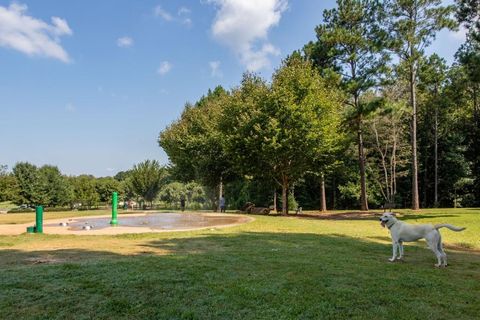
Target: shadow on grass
x,y
373,216
249,275
426,216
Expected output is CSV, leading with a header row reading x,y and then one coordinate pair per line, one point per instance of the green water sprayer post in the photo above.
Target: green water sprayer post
x,y
39,219
114,221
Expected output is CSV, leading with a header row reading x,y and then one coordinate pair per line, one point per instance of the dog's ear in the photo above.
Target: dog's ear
x,y
393,214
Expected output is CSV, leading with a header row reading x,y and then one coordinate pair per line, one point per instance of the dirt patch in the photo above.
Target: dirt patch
x,y
44,260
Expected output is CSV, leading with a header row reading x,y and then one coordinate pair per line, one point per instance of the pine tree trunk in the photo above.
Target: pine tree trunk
x,y
413,101
435,197
323,199
275,200
476,144
361,162
284,196
220,194
476,112
425,183
334,193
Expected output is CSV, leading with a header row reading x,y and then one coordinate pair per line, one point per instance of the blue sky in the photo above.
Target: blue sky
x,y
88,85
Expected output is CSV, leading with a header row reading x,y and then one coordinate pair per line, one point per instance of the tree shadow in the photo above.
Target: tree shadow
x,y
247,275
427,216
371,215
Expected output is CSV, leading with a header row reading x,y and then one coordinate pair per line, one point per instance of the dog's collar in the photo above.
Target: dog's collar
x,y
390,226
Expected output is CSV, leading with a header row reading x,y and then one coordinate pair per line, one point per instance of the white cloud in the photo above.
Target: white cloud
x,y
164,68
158,11
124,42
183,11
32,36
243,25
183,15
70,107
187,22
215,69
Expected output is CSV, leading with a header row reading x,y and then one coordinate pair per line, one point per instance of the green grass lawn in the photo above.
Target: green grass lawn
x,y
271,268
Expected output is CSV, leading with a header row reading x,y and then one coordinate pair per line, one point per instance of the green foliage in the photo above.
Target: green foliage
x,y
387,147
85,193
146,179
468,12
273,132
172,193
194,143
29,183
356,40
105,188
21,210
413,25
54,186
8,185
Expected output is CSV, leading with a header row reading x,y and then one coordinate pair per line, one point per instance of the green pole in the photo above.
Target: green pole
x,y
114,221
39,219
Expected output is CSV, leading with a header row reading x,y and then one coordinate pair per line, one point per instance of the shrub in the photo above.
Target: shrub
x,y
21,210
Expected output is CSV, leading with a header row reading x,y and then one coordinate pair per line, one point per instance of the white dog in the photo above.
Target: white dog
x,y
404,232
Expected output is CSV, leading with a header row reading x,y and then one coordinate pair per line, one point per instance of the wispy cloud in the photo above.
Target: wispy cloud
x,y
182,16
184,11
32,36
158,11
243,25
215,69
124,42
164,68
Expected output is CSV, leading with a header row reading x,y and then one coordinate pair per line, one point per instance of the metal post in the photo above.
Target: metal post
x,y
39,219
114,221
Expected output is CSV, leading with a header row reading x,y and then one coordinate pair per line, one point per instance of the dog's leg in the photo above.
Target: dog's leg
x,y
394,249
440,249
432,240
400,249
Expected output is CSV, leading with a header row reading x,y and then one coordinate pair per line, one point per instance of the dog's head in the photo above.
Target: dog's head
x,y
386,218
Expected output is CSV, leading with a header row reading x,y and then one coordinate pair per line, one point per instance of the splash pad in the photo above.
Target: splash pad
x,y
135,223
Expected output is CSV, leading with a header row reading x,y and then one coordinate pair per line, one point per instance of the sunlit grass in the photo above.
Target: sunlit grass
x,y
273,267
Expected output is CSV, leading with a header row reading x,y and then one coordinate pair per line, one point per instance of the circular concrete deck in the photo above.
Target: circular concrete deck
x,y
132,223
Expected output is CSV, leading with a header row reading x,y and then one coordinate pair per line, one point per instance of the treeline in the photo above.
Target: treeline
x,y
147,184
360,117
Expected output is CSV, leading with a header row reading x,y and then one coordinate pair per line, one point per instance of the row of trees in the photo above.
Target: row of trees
x,y
364,89
145,183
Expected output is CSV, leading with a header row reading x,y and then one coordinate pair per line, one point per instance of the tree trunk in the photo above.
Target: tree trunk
x,y
334,193
361,162
275,200
323,199
476,144
476,112
284,196
435,133
220,194
425,182
415,198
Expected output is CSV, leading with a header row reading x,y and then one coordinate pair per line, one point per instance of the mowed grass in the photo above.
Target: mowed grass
x,y
271,268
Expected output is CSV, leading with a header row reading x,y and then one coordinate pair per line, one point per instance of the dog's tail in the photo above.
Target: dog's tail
x,y
449,226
